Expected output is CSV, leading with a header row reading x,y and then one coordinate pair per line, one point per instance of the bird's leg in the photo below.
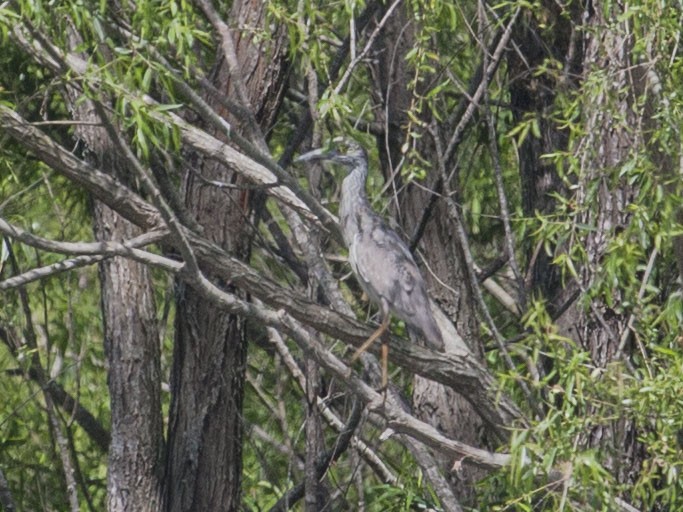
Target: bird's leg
x,y
380,330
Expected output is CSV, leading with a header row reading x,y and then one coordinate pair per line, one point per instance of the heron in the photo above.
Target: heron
x,y
380,259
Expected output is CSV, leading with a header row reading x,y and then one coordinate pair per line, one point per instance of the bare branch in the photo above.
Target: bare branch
x,y
254,163
90,252
628,328
498,174
82,416
398,419
100,185
368,454
357,58
65,455
176,230
49,270
323,461
432,472
483,85
230,55
79,248
457,371
283,448
469,266
30,342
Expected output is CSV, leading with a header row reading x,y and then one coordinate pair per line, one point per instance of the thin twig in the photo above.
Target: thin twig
x,y
49,270
453,370
200,140
476,97
323,461
64,454
500,187
629,324
368,45
237,82
78,248
42,378
368,454
469,265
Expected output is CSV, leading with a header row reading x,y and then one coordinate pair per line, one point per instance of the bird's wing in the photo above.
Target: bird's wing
x,y
386,267
390,276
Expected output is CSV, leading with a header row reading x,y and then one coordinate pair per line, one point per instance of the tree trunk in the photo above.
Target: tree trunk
x,y
532,97
132,348
607,145
609,140
433,403
131,341
207,383
131,337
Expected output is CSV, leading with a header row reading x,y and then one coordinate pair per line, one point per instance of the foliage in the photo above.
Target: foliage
x,y
622,265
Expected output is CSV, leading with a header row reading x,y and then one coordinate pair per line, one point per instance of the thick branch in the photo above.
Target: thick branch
x,y
253,163
101,186
460,372
399,420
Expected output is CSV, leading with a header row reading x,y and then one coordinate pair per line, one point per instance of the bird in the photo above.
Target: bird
x,y
380,259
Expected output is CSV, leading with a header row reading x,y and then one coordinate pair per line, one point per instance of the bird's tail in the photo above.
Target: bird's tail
x,y
430,337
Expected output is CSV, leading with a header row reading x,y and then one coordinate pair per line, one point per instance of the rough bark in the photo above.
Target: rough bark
x,y
131,339
606,145
532,96
434,403
456,370
315,496
132,348
205,434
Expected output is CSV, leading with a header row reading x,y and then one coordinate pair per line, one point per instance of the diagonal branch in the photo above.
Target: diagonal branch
x,y
398,419
99,184
252,162
30,342
88,252
371,39
368,454
458,371
483,85
46,271
323,460
83,416
78,248
230,55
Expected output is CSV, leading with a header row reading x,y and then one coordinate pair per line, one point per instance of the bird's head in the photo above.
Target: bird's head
x,y
342,151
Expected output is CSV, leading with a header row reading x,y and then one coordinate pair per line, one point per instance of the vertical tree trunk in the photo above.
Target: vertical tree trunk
x,y
131,343
207,383
131,337
132,348
608,119
432,402
532,96
607,145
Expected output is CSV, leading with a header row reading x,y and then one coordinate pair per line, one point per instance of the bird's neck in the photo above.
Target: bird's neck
x,y
353,186
354,210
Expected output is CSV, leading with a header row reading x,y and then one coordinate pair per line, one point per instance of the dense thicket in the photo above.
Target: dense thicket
x,y
176,305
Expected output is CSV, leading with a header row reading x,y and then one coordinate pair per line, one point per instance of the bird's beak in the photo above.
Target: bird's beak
x,y
316,154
